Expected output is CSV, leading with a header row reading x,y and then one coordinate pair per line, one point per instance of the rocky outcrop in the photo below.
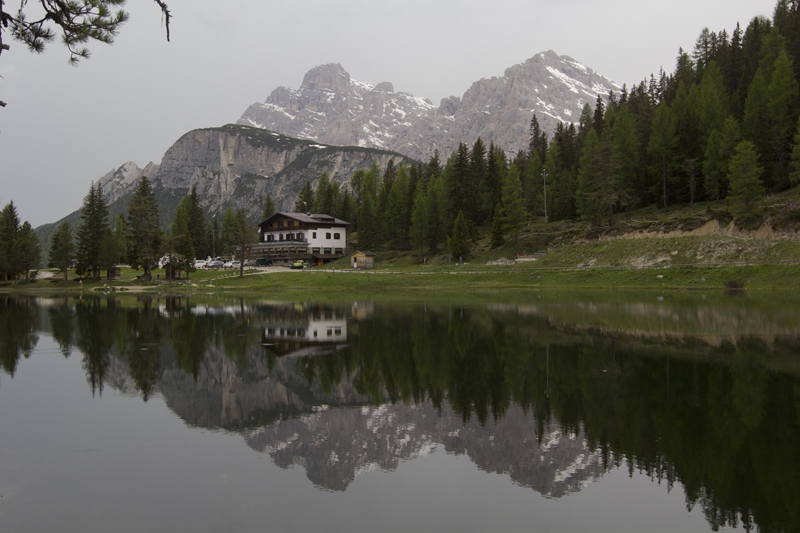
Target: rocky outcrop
x,y
237,166
332,108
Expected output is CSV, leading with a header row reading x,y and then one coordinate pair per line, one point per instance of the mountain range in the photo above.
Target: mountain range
x,y
332,108
337,125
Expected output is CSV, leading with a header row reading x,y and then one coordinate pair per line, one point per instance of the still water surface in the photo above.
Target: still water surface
x,y
562,413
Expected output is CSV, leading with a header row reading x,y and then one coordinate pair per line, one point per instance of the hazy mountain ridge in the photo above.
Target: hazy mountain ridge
x,y
333,108
233,165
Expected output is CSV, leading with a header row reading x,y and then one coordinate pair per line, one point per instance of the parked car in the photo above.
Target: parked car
x,y
200,263
263,262
215,263
298,265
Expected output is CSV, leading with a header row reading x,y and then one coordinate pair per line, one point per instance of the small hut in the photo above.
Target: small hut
x,y
362,260
114,273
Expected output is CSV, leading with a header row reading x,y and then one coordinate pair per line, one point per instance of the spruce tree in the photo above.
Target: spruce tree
x,y
269,207
747,189
181,245
245,234
62,249
305,201
661,148
755,123
513,207
9,228
26,250
94,221
783,102
587,195
626,156
419,221
196,222
713,105
368,238
459,242
720,149
498,227
144,234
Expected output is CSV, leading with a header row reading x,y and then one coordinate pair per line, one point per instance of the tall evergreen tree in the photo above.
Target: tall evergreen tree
x,y
513,207
196,222
661,149
62,249
459,243
587,196
747,189
94,221
460,187
783,106
305,201
26,250
720,149
9,228
182,252
269,207
144,234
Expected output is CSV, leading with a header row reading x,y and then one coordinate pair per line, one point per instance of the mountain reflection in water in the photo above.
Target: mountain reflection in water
x,y
551,394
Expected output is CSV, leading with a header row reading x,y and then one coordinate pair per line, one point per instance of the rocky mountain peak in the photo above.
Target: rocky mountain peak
x,y
331,77
331,108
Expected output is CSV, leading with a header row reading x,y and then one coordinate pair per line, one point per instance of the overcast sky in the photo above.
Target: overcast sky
x,y
65,127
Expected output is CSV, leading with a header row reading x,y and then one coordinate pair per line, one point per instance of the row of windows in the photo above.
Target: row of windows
x,y
300,237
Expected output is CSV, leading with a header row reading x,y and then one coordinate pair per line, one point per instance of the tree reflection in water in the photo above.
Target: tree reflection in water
x,y
719,414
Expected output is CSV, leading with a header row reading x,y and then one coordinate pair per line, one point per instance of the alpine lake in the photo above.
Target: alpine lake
x,y
559,411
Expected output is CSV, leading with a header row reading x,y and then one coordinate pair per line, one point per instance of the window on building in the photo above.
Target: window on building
x,y
313,234
335,235
281,236
327,235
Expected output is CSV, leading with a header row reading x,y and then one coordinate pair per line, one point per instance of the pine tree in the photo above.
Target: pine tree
x,y
783,101
62,249
461,191
121,239
459,242
497,238
419,221
244,235
26,249
397,215
94,221
227,238
599,115
713,105
367,235
108,250
626,156
144,234
323,198
305,201
587,196
720,149
9,228
747,189
182,248
513,207
196,222
661,148
755,123
269,207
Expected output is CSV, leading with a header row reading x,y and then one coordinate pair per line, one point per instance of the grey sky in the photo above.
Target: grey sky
x,y
65,127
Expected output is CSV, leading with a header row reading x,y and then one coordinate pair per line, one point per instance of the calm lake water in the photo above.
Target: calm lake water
x,y
562,412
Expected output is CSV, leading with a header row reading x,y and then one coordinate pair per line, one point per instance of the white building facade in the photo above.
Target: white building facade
x,y
287,237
